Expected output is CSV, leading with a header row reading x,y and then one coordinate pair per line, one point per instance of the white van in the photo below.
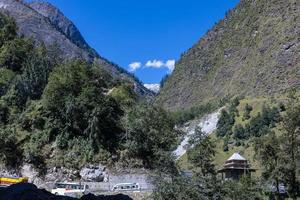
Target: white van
x,y
126,187
69,188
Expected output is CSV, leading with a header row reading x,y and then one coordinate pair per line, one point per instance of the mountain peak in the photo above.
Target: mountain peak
x,y
62,23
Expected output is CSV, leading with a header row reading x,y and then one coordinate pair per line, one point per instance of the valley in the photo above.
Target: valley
x,y
69,116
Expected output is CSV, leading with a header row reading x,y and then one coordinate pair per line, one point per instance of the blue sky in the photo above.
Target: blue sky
x,y
148,34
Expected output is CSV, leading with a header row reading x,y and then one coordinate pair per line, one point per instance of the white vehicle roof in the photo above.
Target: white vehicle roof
x,y
126,184
70,183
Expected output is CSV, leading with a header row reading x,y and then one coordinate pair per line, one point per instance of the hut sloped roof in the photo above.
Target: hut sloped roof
x,y
236,156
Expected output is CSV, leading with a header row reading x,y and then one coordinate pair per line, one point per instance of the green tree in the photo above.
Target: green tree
x,y
75,95
239,132
149,133
10,151
268,152
247,110
14,53
225,144
225,124
202,153
34,78
4,113
8,29
265,120
291,148
176,188
6,80
203,184
280,155
163,80
246,189
125,95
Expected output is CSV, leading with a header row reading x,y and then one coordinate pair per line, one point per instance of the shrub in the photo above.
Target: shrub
x,y
225,124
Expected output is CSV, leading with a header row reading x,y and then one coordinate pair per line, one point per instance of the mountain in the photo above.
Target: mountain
x,y
253,51
46,24
153,87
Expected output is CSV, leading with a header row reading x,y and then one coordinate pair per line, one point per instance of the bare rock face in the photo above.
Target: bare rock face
x,y
63,24
46,24
34,25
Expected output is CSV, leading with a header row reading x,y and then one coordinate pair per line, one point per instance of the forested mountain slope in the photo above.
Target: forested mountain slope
x,y
46,24
67,113
254,50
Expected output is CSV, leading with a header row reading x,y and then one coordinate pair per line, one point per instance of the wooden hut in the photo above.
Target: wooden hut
x,y
235,167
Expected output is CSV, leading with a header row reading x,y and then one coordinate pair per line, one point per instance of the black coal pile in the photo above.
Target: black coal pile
x,y
31,192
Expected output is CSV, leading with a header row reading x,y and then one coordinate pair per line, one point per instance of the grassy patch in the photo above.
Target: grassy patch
x,y
246,149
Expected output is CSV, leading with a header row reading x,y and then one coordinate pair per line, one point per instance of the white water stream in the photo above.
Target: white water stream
x,y
208,124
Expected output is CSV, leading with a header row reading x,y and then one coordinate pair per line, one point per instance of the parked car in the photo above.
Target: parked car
x,y
127,187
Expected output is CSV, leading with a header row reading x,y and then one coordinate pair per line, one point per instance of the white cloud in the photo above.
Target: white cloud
x,y
158,64
134,66
170,64
155,63
153,87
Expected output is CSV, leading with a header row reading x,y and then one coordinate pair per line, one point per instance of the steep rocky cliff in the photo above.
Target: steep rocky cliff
x,y
63,24
254,50
46,24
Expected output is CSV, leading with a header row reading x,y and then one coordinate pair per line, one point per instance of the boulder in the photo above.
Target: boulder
x,y
29,171
61,174
94,173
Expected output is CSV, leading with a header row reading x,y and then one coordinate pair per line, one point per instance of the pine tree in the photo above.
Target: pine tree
x,y
268,151
291,149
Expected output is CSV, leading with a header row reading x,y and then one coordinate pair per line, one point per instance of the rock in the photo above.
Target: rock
x,y
94,173
33,175
58,20
288,46
8,173
61,174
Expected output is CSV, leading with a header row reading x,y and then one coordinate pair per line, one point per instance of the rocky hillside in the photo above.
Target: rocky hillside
x,y
254,50
63,24
46,24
